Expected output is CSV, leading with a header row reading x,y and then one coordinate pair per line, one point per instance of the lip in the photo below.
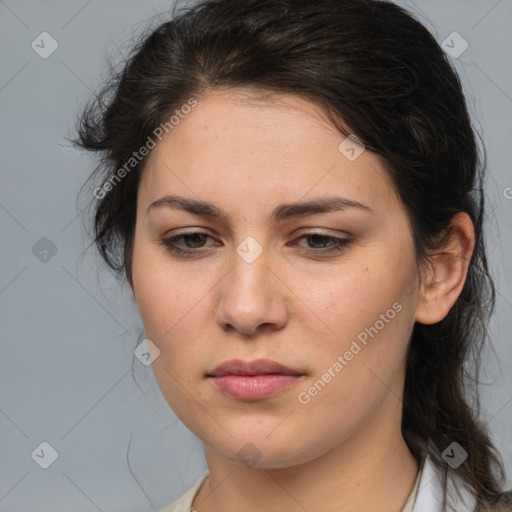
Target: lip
x,y
253,380
256,367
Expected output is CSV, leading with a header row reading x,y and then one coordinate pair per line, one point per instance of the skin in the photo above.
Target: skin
x,y
343,451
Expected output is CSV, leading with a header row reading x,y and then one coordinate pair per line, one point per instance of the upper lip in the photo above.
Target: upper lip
x,y
256,367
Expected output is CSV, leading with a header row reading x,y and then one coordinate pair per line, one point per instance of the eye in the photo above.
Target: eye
x,y
195,239
194,243
336,244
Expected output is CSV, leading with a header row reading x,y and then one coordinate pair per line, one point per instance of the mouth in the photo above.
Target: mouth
x,y
253,380
248,368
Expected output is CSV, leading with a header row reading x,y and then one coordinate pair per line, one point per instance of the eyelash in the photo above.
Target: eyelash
x,y
339,244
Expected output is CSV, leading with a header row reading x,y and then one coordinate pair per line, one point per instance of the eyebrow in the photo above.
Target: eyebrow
x,y
280,213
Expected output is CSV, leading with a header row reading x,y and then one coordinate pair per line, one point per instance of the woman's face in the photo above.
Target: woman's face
x,y
256,285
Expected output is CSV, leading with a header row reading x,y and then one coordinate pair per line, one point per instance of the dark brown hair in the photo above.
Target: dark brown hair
x,y
372,65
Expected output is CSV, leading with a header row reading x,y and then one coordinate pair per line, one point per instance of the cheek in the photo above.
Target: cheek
x,y
159,299
171,303
357,367
366,317
353,296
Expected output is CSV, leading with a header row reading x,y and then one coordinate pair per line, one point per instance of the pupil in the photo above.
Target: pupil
x,y
321,239
195,238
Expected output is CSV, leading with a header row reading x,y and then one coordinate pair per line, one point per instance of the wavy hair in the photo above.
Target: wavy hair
x,y
377,71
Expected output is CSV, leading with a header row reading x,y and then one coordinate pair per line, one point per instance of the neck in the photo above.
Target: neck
x,y
373,470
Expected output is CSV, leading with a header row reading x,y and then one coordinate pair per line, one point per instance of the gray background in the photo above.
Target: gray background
x,y
67,342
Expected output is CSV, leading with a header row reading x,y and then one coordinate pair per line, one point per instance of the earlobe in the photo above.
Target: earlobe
x,y
447,273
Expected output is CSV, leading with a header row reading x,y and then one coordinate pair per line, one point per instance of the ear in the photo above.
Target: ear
x,y
446,274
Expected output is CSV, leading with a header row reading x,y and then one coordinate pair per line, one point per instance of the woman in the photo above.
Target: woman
x,y
294,193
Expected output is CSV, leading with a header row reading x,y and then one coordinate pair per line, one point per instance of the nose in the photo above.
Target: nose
x,y
253,298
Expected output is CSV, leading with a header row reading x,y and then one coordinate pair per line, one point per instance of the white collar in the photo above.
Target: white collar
x,y
430,495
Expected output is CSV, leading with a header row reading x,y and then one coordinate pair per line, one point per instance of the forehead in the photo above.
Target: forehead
x,y
242,125
240,144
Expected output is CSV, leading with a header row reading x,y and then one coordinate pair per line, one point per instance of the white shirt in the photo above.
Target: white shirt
x,y
430,494
426,495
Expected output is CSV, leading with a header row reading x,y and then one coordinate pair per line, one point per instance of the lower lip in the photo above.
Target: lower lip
x,y
253,387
